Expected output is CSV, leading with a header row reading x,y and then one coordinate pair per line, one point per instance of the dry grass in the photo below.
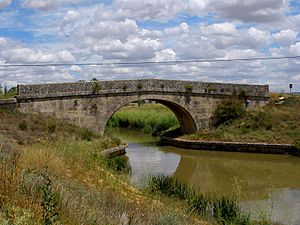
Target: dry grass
x,y
82,189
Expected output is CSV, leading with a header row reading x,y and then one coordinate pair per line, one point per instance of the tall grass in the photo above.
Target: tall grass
x,y
223,210
152,118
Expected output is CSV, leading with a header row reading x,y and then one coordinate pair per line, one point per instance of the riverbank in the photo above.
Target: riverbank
x,y
55,173
278,123
231,146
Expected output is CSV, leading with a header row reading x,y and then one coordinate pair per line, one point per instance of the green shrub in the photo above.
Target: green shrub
x,y
227,111
189,87
118,164
140,86
297,145
96,87
124,87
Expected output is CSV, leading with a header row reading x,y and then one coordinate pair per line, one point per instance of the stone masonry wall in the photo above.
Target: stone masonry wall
x,y
123,86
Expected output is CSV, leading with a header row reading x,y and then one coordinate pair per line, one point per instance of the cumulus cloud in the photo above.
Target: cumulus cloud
x,y
159,10
154,30
285,37
251,10
70,17
47,4
4,3
26,55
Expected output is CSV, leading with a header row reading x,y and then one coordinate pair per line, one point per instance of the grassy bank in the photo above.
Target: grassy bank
x,y
150,118
54,173
216,210
275,123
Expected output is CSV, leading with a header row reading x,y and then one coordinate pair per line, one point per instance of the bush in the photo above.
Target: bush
x,y
188,87
297,146
140,86
96,87
228,111
118,164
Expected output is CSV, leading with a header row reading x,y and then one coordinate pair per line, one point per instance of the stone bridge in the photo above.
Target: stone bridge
x,y
91,104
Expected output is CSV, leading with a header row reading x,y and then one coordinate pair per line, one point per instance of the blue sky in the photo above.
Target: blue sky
x,y
74,31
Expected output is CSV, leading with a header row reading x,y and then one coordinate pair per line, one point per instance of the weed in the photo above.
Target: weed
x,y
118,164
49,203
140,86
124,87
96,87
188,87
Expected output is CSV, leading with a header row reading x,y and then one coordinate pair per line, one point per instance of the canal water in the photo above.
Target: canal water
x,y
267,185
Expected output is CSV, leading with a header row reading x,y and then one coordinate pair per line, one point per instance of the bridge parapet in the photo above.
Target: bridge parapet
x,y
143,86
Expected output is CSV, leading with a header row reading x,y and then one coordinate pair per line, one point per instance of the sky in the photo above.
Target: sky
x,y
90,31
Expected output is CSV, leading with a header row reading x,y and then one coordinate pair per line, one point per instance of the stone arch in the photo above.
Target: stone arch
x,y
186,121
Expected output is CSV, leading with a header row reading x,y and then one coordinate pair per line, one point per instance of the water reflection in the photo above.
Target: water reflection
x,y
269,183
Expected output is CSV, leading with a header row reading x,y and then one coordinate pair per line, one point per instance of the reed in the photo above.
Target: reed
x,y
223,210
151,118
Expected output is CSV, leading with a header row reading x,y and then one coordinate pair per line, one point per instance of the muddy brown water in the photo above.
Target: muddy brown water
x,y
267,185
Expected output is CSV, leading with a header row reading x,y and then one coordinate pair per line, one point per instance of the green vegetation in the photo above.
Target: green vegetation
x,y
96,87
189,87
228,111
8,93
277,122
151,118
55,173
221,210
140,86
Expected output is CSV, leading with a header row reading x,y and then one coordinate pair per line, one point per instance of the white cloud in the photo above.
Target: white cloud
x,y
47,4
76,68
26,55
4,3
295,49
3,42
159,10
70,17
285,37
219,29
266,11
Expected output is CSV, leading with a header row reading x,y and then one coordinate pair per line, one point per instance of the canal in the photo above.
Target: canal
x,y
266,185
